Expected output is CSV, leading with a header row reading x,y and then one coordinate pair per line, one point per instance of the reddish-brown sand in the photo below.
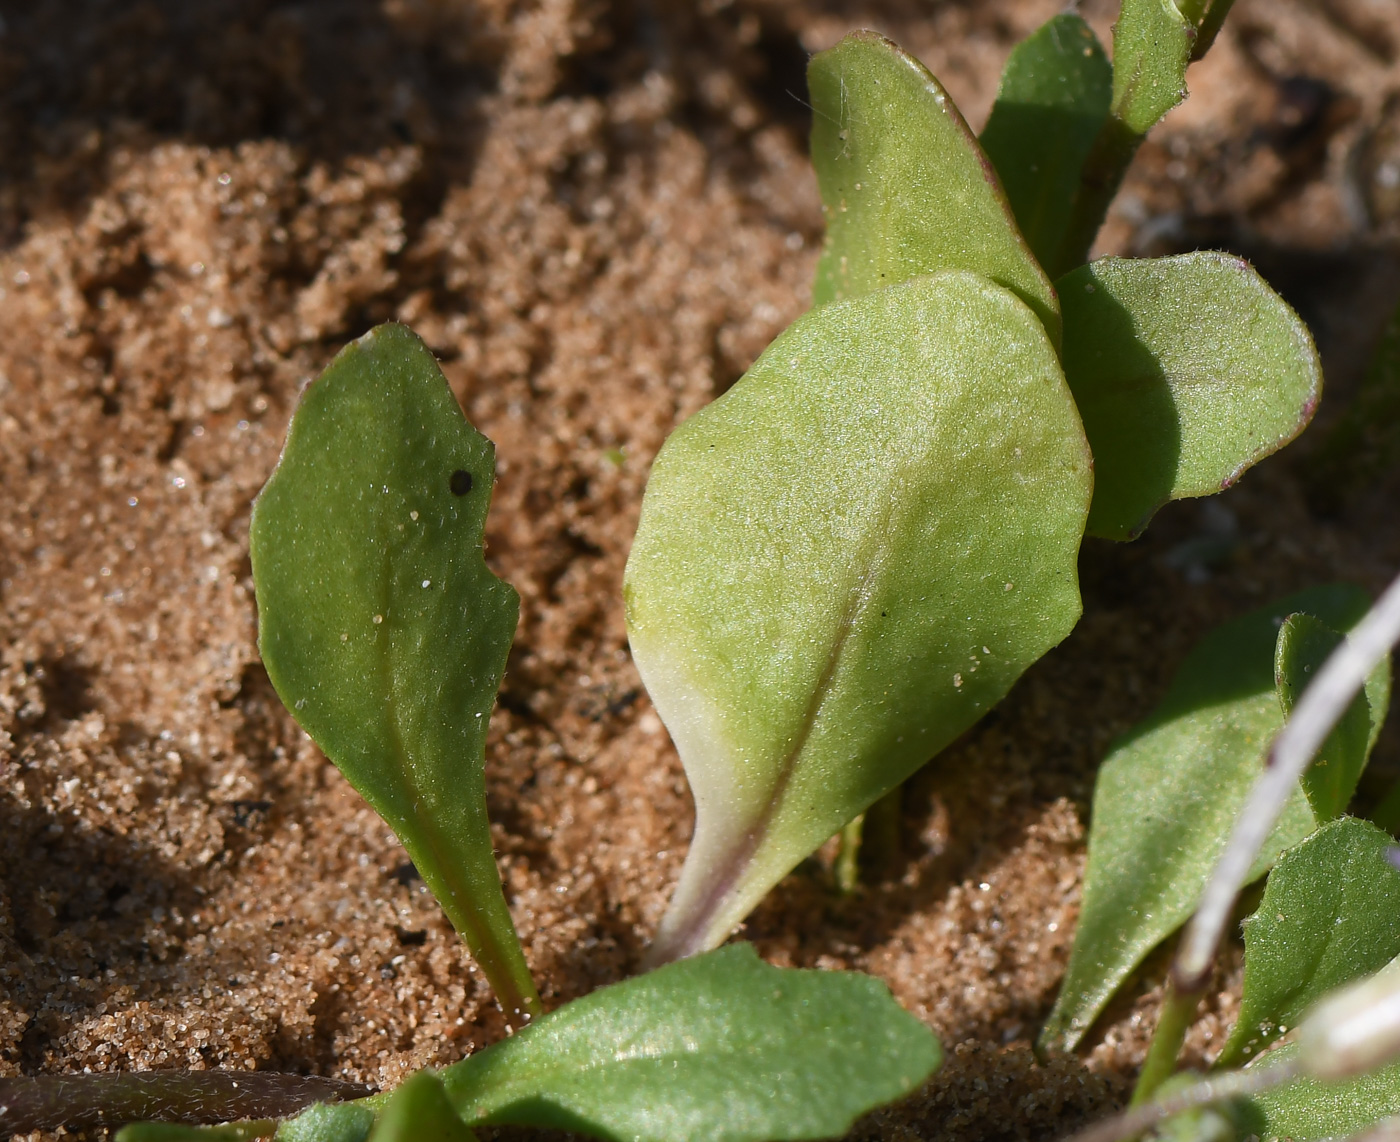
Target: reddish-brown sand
x,y
597,213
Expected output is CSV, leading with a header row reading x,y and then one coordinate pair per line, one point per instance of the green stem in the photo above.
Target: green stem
x,y
848,857
1178,1010
1099,181
77,1102
1209,27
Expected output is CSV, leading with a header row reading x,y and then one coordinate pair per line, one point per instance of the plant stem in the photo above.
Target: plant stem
x,y
1178,1009
1209,27
848,858
75,1102
1099,181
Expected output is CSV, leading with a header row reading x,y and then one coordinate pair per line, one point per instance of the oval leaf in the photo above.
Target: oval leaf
x,y
1304,644
1167,797
843,562
1330,914
1187,371
379,623
1054,98
720,1048
905,188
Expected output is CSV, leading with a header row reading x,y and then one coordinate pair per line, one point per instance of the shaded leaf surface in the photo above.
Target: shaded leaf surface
x,y
1310,1109
844,561
1330,914
173,1132
1054,97
719,1048
1187,371
419,1111
1304,644
905,188
379,623
1167,797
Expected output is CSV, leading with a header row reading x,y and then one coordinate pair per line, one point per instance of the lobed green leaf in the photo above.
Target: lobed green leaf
x,y
1054,97
905,188
420,1111
1330,915
1187,371
380,625
719,1048
1304,644
843,562
1168,794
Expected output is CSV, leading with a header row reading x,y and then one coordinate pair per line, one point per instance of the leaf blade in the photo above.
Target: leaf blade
x,y
843,562
905,187
1167,797
1187,371
380,625
721,1047
419,1111
1055,94
1330,914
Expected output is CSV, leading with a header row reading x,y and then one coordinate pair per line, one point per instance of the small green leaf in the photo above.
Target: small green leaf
x,y
173,1132
905,188
1054,97
1187,371
1330,914
1167,797
379,623
419,1111
843,562
1304,644
1151,48
1311,1109
328,1122
719,1048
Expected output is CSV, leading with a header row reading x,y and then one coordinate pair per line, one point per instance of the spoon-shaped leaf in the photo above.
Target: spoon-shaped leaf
x,y
380,625
843,562
1168,794
420,1111
720,1048
905,188
1303,646
1330,914
1054,97
1187,371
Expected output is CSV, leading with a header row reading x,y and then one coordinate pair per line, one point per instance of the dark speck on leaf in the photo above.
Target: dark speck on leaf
x,y
460,482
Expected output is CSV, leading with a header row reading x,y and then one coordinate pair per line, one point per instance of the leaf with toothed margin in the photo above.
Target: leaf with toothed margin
x,y
1187,371
380,625
720,1048
905,187
1330,915
843,562
1054,97
1168,795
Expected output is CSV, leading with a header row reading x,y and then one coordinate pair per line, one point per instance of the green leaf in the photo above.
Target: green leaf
x,y
1330,914
1187,371
719,1048
1151,48
843,562
1054,98
379,623
1311,1109
905,188
1304,644
1167,797
420,1111
328,1122
174,1132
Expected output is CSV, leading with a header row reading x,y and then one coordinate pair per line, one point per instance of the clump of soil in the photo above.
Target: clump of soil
x,y
597,213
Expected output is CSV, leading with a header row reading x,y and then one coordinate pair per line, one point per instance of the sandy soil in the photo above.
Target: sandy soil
x,y
597,213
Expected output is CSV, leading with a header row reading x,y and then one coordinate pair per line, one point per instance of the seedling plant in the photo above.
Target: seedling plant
x,y
841,564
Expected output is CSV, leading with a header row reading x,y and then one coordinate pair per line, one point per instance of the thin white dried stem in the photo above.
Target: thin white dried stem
x,y
1319,709
1217,1088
